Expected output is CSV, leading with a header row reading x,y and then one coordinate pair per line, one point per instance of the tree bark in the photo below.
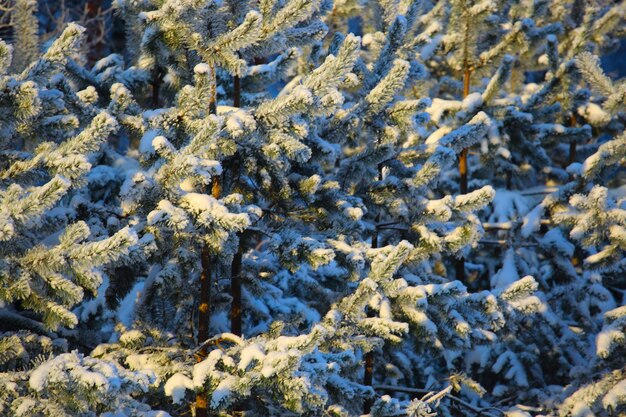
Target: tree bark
x,y
368,375
572,145
236,309
460,263
235,283
207,263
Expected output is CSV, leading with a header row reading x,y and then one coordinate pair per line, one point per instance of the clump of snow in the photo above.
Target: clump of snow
x,y
354,213
440,107
507,274
253,352
472,102
146,145
176,387
126,309
532,220
594,114
132,337
555,239
607,339
615,397
223,391
202,68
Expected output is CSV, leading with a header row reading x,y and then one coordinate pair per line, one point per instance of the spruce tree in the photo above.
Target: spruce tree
x,y
275,216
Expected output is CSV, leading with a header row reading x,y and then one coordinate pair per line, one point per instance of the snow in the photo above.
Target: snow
x,y
91,307
202,68
160,142
554,238
385,309
472,102
25,408
146,145
308,267
615,313
177,385
238,121
607,339
532,220
516,412
507,274
131,337
223,390
429,48
62,368
126,309
355,213
616,396
39,377
250,353
200,202
440,107
515,369
594,114
433,138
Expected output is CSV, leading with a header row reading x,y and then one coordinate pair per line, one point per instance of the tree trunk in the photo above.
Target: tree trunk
x,y
460,263
236,91
236,307
572,145
235,292
204,309
95,25
235,283
368,375
156,87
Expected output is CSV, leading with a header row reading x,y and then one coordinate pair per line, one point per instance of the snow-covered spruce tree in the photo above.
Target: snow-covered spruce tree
x,y
572,261
532,126
317,213
293,170
51,136
25,28
590,210
369,102
39,175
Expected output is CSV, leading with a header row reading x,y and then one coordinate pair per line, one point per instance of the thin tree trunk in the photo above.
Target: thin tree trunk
x,y
460,263
204,311
235,283
93,8
207,262
236,306
368,375
236,91
235,291
463,157
156,87
572,145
